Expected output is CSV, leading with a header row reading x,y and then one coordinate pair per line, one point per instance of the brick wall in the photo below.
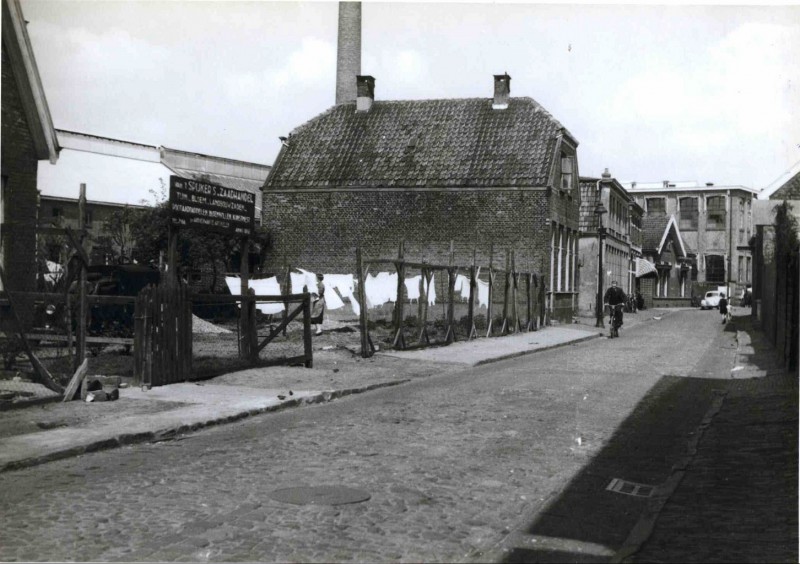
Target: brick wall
x,y
321,230
19,165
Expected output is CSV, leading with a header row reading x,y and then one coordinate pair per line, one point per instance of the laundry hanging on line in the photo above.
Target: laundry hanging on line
x,y
262,287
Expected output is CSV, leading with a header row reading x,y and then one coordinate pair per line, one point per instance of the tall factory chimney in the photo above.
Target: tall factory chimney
x,y
348,57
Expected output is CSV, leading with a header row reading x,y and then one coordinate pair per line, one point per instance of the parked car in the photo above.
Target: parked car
x,y
711,300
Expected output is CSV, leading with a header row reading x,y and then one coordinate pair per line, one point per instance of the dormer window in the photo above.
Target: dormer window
x,y
566,172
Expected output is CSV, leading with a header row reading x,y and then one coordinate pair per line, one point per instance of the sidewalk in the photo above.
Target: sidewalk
x,y
41,433
734,497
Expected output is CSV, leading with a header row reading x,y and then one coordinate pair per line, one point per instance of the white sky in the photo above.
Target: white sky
x,y
706,93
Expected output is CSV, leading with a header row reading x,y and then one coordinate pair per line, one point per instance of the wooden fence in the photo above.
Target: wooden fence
x,y
163,335
513,283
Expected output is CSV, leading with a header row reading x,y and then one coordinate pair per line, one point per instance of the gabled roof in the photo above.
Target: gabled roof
x,y
441,143
789,190
23,64
655,230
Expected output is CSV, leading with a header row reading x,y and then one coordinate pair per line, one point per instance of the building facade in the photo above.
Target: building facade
x,y
28,137
56,211
478,176
621,241
716,223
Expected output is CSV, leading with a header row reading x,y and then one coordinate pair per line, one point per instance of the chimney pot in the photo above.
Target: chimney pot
x,y
666,183
365,93
502,91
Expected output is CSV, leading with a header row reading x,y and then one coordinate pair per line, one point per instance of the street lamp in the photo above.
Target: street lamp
x,y
599,210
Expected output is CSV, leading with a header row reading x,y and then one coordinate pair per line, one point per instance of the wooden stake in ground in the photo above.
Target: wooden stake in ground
x,y
75,382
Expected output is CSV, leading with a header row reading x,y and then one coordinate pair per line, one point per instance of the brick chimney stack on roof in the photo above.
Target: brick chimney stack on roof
x,y
502,91
348,52
365,93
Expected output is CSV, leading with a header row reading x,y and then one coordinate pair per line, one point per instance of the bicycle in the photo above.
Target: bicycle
x,y
615,319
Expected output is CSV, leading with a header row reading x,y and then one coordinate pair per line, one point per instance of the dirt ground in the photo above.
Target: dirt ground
x,y
337,365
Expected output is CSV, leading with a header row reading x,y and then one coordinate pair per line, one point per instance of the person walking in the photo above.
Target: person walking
x,y
318,304
723,308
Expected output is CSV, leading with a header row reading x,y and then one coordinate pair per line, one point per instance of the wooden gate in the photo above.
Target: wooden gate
x,y
163,335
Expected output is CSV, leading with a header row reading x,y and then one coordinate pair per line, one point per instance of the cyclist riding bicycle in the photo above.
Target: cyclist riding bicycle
x,y
614,295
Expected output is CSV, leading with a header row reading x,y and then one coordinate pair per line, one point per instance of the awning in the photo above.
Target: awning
x,y
644,267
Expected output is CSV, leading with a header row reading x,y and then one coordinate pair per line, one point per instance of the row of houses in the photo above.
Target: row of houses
x,y
453,179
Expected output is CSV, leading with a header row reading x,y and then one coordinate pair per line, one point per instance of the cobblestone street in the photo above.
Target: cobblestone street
x,y
507,461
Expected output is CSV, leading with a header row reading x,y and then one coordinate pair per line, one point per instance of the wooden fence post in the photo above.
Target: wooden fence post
x,y
244,311
504,327
252,330
82,305
489,308
307,350
451,298
366,343
473,284
400,267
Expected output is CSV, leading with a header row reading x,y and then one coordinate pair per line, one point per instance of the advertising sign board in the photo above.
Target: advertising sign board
x,y
212,207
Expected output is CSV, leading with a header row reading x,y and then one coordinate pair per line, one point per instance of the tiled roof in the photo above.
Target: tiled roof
x,y
789,191
653,227
422,143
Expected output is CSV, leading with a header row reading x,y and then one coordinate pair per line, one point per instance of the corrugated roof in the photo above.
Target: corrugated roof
x,y
422,143
645,267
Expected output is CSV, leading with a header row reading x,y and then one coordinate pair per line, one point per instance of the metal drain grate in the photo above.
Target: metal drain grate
x,y
618,485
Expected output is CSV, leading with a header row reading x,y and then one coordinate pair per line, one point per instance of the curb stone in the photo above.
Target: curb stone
x,y
172,433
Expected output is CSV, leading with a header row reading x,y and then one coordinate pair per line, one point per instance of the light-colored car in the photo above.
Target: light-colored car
x,y
711,300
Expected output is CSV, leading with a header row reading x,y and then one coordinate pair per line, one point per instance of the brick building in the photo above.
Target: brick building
x,y
716,223
479,172
622,242
27,138
666,280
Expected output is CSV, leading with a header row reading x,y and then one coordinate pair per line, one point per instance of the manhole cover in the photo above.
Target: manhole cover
x,y
630,488
320,495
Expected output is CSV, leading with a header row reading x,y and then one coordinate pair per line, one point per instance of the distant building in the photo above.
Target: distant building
x,y
27,138
716,223
63,212
622,242
665,273
121,173
474,172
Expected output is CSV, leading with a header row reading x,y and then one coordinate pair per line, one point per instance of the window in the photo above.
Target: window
x,y
656,206
566,172
715,269
688,207
89,218
57,212
741,269
717,215
747,272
